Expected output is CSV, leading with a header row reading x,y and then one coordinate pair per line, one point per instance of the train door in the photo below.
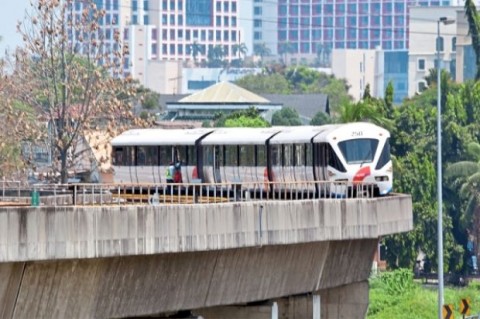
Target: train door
x,y
207,164
276,163
261,164
321,161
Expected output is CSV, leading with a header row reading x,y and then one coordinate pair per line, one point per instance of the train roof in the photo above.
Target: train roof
x,y
153,137
297,134
349,131
240,135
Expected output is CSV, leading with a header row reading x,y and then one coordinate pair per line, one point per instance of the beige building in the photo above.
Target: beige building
x,y
422,38
357,67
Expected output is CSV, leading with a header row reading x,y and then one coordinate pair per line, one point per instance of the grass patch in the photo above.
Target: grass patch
x,y
394,295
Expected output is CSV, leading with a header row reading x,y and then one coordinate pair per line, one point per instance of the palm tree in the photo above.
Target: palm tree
x,y
241,48
466,174
284,49
215,56
261,50
195,48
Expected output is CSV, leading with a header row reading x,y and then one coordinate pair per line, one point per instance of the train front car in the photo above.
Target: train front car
x,y
144,155
357,157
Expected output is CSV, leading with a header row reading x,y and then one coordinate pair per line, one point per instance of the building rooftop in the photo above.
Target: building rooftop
x,y
224,92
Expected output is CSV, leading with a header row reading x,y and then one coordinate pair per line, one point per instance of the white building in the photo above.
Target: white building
x,y
422,53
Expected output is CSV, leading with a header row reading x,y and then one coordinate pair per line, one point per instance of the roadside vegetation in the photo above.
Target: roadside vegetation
x,y
394,295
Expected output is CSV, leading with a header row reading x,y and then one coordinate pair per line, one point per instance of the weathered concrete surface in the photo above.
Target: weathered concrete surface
x,y
345,302
144,285
52,233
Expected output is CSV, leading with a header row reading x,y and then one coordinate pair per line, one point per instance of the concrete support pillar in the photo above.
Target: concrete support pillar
x,y
10,280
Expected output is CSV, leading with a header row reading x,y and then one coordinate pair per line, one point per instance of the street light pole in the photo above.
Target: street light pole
x,y
444,21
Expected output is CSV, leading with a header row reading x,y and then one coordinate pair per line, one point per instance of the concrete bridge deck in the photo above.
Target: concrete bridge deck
x,y
120,261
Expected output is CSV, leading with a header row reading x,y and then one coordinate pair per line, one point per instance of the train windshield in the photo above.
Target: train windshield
x,y
359,151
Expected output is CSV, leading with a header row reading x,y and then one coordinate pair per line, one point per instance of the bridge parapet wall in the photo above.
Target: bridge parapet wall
x,y
55,233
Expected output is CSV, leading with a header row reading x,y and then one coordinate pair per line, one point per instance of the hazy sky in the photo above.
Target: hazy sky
x,y
10,12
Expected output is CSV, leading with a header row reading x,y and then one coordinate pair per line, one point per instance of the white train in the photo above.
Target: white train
x,y
344,153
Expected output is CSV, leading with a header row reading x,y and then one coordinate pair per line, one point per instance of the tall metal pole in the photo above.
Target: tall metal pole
x,y
439,175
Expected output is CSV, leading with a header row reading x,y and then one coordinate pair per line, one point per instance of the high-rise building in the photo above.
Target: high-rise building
x,y
179,29
310,28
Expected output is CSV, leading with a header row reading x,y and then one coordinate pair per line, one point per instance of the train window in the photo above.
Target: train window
x,y
385,156
333,159
358,151
181,154
276,155
308,154
231,155
288,155
219,160
299,154
191,155
152,155
130,158
208,156
247,155
141,155
261,156
321,154
117,158
165,155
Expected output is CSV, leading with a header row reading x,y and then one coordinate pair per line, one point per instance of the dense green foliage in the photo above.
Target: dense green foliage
x,y
244,118
296,80
286,117
394,295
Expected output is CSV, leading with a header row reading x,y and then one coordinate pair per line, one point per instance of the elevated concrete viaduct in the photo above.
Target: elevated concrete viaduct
x,y
212,259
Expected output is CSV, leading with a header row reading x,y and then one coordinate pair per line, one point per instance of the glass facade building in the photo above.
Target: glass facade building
x,y
308,26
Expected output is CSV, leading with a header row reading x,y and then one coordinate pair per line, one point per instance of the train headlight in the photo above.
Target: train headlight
x,y
381,178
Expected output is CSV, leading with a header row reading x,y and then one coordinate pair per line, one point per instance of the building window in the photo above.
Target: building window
x,y
257,11
234,7
180,20
225,6
218,21
257,35
172,5
145,5
134,19
145,20
172,19
154,49
164,5
439,44
257,23
199,13
218,6
234,36
225,21
134,5
234,21
421,64
421,86
454,44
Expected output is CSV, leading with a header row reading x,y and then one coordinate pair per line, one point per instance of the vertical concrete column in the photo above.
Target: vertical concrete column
x,y
10,280
317,313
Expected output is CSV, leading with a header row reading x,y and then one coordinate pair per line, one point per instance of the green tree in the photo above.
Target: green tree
x,y
262,50
389,100
241,49
195,50
215,57
320,118
260,83
243,118
286,117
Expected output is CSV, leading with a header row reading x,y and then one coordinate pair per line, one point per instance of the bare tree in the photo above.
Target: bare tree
x,y
74,75
18,122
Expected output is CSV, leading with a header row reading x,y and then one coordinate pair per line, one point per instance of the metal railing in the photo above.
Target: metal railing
x,y
191,193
